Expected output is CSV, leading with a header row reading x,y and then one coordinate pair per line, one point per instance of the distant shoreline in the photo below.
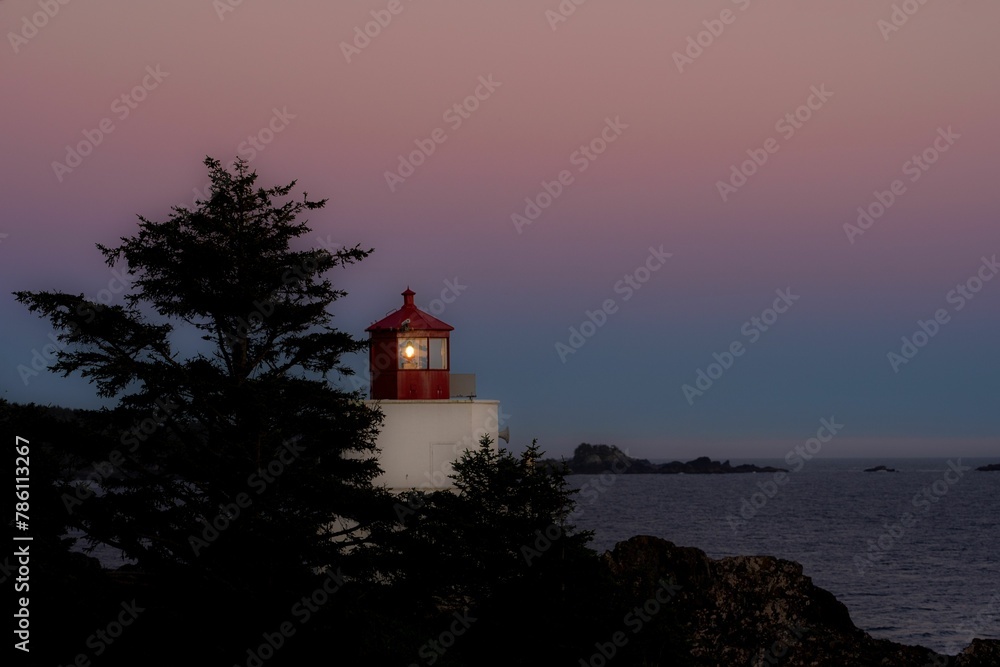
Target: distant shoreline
x,y
597,459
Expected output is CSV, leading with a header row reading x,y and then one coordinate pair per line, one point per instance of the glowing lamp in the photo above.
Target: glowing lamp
x,y
409,356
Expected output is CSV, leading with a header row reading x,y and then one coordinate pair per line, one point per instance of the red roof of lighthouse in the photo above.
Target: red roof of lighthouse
x,y
412,317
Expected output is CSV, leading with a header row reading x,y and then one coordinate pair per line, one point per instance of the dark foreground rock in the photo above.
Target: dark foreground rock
x,y
755,610
980,653
595,459
993,467
880,469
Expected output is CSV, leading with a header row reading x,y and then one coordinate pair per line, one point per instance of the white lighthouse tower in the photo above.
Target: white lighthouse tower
x,y
431,415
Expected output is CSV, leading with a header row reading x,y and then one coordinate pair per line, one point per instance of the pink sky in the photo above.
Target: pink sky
x,y
344,124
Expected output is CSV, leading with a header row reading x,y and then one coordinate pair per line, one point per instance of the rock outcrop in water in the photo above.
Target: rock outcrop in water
x,y
705,466
594,459
993,467
754,610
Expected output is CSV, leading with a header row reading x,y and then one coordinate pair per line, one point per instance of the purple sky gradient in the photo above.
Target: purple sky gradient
x,y
345,124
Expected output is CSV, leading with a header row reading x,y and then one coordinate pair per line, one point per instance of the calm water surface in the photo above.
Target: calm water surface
x,y
936,583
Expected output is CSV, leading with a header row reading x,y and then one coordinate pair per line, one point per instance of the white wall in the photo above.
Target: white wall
x,y
420,439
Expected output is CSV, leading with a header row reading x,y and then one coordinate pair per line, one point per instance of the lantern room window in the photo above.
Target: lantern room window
x,y
439,353
422,353
412,353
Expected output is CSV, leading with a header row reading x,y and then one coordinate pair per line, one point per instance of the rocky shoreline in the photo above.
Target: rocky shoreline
x,y
755,610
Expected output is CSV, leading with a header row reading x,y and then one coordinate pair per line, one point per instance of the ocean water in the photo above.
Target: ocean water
x,y
931,578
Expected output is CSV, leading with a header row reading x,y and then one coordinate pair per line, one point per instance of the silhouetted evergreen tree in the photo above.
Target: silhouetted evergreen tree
x,y
499,549
65,589
239,472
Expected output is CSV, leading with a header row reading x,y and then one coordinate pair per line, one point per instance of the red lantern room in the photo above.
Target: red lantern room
x,y
409,357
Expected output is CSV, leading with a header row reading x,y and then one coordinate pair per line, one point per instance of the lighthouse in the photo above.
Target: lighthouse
x,y
431,415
